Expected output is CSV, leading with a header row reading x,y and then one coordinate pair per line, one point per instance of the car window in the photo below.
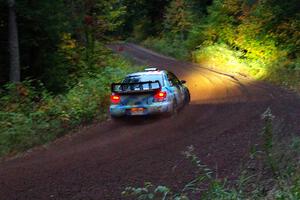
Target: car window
x,y
173,79
176,79
143,78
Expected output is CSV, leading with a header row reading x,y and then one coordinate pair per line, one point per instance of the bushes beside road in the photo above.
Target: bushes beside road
x,y
30,115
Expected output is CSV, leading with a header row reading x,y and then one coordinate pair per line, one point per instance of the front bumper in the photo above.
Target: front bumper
x,y
154,108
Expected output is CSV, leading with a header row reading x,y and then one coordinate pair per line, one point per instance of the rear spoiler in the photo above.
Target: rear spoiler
x,y
141,87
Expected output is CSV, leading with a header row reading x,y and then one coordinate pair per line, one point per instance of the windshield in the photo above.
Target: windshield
x,y
143,78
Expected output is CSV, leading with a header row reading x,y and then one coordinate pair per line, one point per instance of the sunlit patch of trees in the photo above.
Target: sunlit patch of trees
x,y
255,38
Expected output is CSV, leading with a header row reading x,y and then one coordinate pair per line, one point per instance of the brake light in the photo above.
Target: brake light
x,y
160,96
115,99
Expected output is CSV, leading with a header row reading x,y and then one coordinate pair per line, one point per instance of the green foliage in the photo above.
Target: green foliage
x,y
221,57
144,18
140,30
169,47
255,38
31,116
268,139
178,19
148,192
72,62
59,42
41,25
258,34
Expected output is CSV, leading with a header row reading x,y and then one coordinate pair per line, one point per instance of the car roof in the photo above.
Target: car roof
x,y
146,73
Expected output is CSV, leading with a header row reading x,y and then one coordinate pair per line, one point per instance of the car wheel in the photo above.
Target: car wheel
x,y
115,118
187,97
174,107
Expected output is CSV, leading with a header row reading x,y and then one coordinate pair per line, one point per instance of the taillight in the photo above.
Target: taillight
x,y
115,99
160,96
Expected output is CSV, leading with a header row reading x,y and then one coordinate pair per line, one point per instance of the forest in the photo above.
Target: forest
x,y
58,42
56,69
54,61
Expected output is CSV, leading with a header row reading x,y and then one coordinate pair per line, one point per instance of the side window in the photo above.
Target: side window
x,y
172,79
178,82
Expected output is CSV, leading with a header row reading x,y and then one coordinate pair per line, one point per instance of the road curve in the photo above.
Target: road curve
x,y
222,123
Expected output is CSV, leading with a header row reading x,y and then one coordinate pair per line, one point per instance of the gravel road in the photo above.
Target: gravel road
x,y
222,123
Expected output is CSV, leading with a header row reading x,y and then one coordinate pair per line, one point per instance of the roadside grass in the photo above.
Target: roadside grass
x,y
281,71
272,172
30,115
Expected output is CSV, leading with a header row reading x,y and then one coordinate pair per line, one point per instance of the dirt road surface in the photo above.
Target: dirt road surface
x,y
222,123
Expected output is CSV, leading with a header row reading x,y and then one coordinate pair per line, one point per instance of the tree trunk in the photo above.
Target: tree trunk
x,y
13,43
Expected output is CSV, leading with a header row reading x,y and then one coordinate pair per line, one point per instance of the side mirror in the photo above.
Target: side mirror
x,y
183,81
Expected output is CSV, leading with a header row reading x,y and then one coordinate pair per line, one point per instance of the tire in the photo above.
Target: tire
x,y
187,97
115,118
174,107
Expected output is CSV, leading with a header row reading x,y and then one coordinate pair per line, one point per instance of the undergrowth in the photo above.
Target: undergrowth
x,y
176,48
30,115
283,71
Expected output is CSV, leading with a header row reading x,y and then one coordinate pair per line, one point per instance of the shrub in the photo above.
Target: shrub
x,y
30,115
221,57
174,48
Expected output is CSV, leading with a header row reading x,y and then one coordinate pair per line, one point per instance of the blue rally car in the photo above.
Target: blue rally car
x,y
149,92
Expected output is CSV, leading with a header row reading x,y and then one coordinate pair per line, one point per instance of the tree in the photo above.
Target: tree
x,y
13,41
178,19
101,18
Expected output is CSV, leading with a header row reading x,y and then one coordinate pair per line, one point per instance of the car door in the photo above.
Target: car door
x,y
176,87
181,88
